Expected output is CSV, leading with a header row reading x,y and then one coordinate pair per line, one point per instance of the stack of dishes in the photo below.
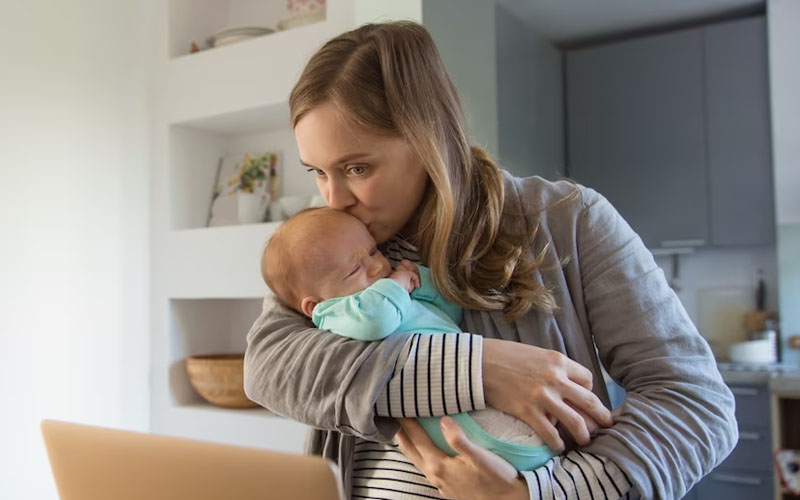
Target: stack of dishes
x,y
237,34
298,20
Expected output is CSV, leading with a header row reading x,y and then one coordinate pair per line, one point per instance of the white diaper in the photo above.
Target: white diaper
x,y
506,427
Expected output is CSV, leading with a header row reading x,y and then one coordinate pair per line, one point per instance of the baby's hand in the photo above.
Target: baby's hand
x,y
406,275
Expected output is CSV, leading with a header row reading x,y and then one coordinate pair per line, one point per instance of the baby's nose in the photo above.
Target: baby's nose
x,y
375,267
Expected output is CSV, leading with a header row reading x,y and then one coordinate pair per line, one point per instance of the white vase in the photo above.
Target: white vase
x,y
251,208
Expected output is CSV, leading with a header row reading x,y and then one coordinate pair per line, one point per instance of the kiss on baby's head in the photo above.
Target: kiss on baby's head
x,y
319,254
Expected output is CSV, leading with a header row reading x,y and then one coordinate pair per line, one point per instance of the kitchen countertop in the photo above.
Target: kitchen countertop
x,y
781,379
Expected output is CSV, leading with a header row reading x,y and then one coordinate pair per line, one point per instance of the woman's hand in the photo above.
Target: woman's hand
x,y
474,474
540,385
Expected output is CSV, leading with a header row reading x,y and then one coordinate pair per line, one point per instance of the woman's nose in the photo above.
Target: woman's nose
x,y
339,195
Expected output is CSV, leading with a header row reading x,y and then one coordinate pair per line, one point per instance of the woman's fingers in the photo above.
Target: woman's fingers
x,y
474,473
579,373
588,401
407,447
572,422
456,438
482,458
419,440
532,384
544,428
591,424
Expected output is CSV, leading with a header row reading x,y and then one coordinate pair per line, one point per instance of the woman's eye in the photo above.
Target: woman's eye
x,y
317,172
373,252
357,169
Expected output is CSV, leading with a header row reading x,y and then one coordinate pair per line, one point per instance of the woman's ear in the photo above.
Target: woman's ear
x,y
308,304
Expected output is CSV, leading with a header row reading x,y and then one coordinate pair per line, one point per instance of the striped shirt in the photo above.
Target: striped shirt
x,y
441,374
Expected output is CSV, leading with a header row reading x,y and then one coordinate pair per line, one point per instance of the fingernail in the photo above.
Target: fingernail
x,y
447,423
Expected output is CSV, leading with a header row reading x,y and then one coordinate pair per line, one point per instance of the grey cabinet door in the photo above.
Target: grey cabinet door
x,y
636,132
739,148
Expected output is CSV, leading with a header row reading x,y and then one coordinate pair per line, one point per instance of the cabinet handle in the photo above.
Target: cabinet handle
x,y
745,480
749,436
744,391
682,243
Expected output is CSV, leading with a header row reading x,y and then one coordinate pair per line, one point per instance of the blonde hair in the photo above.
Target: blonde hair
x,y
390,79
289,253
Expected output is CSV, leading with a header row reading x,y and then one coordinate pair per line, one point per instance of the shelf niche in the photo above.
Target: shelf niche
x,y
197,146
193,21
205,326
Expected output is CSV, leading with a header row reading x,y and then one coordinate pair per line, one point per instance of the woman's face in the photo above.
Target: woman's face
x,y
377,179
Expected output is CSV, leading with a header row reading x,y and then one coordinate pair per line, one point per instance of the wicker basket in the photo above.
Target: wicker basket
x,y
219,379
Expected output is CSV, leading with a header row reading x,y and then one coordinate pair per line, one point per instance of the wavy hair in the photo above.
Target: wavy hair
x,y
389,78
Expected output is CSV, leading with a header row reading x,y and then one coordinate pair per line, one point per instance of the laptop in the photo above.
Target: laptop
x,y
96,463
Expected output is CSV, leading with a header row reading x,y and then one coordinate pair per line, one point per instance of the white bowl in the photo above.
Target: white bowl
x,y
753,351
237,34
300,20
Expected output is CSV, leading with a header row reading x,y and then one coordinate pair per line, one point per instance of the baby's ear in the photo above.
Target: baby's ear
x,y
308,304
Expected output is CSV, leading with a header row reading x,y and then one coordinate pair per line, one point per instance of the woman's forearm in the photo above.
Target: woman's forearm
x,y
677,422
322,380
579,476
435,375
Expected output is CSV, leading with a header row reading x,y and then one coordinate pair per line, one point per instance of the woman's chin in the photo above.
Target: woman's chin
x,y
379,233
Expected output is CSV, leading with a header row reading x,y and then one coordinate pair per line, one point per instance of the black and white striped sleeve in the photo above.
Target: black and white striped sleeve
x,y
579,475
435,375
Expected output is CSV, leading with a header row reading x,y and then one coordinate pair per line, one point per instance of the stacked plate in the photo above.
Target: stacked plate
x,y
237,34
298,20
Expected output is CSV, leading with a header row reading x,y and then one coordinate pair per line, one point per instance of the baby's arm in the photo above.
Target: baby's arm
x,y
406,275
370,314
427,292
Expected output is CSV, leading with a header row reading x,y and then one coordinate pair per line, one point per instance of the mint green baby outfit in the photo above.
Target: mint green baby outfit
x,y
385,308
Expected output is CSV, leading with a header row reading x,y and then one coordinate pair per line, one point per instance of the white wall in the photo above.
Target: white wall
x,y
73,224
732,270
530,105
464,34
784,74
783,17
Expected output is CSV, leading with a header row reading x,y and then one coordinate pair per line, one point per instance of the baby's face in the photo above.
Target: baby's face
x,y
353,262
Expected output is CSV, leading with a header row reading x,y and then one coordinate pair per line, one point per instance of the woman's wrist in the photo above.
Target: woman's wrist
x,y
488,363
519,490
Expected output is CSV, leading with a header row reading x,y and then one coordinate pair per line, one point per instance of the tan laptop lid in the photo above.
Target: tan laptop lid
x,y
97,463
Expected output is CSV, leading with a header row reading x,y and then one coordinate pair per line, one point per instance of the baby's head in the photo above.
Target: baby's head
x,y
319,254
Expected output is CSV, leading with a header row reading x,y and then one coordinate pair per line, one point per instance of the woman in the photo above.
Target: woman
x,y
549,275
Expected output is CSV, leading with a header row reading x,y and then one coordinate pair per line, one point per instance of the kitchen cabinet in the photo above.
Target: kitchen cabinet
x,y
747,473
739,150
674,130
636,132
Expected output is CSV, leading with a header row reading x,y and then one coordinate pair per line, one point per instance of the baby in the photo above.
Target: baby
x,y
325,264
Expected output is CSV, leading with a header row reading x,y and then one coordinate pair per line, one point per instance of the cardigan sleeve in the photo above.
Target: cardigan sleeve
x,y
677,421
332,382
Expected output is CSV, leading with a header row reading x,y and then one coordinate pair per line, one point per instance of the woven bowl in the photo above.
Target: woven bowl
x,y
219,379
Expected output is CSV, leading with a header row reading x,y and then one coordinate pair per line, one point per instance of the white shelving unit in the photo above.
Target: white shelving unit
x,y
206,286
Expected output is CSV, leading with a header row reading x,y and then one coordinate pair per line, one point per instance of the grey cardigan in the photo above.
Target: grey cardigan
x,y
677,422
